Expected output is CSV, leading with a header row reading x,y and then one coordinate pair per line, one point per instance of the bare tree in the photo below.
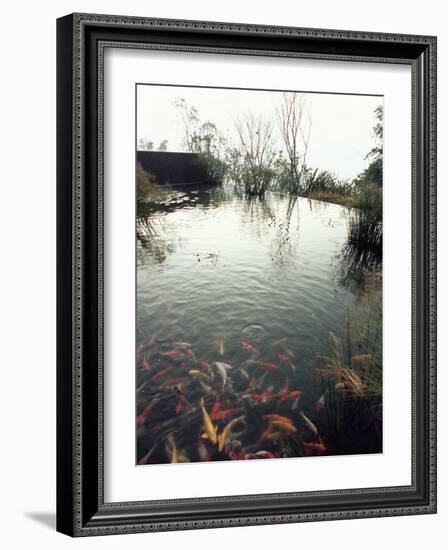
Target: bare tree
x,y
258,154
294,117
190,119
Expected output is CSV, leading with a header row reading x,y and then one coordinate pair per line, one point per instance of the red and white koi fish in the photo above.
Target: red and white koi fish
x,y
248,346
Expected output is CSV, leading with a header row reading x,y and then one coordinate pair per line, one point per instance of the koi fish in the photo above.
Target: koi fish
x,y
140,349
283,426
226,432
278,418
312,449
262,397
147,456
295,405
287,361
268,366
320,403
280,342
274,436
209,428
181,345
171,443
198,374
179,407
174,454
221,348
248,346
310,425
222,369
259,454
205,366
142,416
219,415
146,365
151,341
202,451
162,373
236,455
291,395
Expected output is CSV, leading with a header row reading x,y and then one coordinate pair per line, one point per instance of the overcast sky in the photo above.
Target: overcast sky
x,y
341,129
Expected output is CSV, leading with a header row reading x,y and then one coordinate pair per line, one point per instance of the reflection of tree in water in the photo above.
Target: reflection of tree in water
x,y
283,250
260,216
257,214
150,243
363,250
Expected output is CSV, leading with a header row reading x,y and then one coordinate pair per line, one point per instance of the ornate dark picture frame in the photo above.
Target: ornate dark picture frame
x,y
81,40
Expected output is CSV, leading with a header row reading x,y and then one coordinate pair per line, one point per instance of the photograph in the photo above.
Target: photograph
x,y
259,274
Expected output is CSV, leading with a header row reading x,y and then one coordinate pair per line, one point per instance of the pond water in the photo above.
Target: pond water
x,y
257,284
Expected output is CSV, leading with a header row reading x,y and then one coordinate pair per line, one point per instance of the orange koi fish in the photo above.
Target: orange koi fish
x,y
268,366
278,418
162,373
179,406
248,346
283,426
313,449
219,415
280,342
291,395
142,416
173,354
146,365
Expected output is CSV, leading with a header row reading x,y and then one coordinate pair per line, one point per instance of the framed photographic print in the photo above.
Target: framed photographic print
x,y
246,274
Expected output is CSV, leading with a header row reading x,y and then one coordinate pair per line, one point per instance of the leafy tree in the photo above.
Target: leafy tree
x,y
373,174
204,139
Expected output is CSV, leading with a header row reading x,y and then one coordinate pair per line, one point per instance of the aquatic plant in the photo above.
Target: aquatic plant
x,y
146,182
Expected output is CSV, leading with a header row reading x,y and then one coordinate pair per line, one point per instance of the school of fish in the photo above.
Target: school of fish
x,y
189,409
